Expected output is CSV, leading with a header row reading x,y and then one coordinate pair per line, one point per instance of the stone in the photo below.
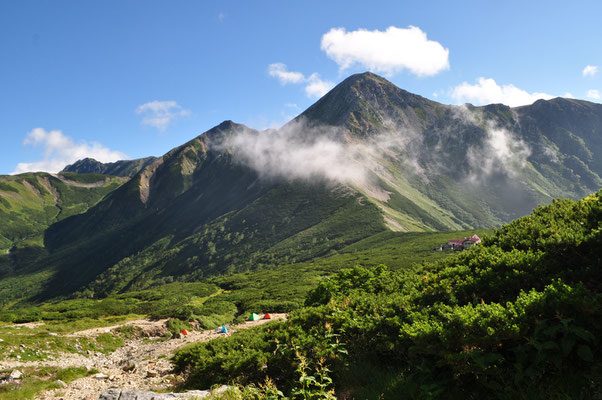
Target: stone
x,y
129,366
111,394
151,374
101,376
53,334
60,383
116,394
15,374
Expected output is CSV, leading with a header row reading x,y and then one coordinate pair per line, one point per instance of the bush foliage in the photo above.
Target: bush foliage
x,y
516,317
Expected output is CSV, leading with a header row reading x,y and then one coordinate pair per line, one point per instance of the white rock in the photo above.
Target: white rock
x,y
60,383
15,374
101,376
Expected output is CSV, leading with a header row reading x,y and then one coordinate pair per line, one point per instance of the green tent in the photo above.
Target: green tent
x,y
254,317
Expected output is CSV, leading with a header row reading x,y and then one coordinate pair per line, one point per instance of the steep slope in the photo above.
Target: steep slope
x,y
117,168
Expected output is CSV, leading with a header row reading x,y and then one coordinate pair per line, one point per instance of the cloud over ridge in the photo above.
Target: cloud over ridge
x,y
60,150
314,85
389,52
487,91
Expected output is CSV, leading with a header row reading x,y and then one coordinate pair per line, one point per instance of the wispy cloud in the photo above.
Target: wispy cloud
x,y
388,52
159,114
280,72
487,91
590,70
314,85
593,94
58,150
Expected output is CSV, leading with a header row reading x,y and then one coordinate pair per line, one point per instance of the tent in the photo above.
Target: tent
x,y
223,329
184,332
267,316
254,317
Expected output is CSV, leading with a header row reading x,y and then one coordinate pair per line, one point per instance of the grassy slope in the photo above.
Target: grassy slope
x,y
31,202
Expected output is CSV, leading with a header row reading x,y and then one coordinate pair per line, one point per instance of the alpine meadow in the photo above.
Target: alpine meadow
x,y
377,245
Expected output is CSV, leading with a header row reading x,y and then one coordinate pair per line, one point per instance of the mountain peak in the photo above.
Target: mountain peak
x,y
364,102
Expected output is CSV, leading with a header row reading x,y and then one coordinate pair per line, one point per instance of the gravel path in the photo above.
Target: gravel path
x,y
141,364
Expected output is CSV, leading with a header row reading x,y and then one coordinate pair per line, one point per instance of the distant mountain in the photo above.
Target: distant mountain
x,y
365,158
117,168
31,202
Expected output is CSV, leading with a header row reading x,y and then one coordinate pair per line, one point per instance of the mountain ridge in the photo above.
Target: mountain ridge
x,y
223,202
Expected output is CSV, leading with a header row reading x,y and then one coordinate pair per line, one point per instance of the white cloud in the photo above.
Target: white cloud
x,y
487,91
60,150
280,72
388,52
568,95
314,86
593,94
159,114
590,70
317,87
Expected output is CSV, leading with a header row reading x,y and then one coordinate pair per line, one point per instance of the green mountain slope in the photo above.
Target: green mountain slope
x,y
30,203
231,200
451,167
117,168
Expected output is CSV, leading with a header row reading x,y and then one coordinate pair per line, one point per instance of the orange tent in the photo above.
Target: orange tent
x,y
184,332
267,316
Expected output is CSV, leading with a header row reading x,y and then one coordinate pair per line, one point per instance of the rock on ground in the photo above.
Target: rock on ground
x,y
116,394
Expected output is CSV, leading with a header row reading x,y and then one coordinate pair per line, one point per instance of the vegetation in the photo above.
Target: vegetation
x,y
222,299
31,202
36,380
516,317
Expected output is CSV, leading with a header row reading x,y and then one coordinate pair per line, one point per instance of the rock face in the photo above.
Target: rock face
x,y
116,394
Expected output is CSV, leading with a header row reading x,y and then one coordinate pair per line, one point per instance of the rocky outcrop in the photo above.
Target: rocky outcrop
x,y
117,394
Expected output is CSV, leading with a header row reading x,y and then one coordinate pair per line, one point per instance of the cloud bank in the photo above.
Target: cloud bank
x,y
314,86
58,150
294,152
159,114
388,52
487,91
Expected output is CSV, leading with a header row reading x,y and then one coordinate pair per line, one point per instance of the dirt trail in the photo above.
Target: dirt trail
x,y
149,359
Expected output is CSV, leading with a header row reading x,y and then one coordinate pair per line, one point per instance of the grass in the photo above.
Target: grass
x,y
36,380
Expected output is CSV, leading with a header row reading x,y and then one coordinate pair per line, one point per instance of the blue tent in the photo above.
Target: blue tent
x,y
224,329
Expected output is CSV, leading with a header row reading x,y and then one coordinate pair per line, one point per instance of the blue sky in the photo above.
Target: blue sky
x,y
115,79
